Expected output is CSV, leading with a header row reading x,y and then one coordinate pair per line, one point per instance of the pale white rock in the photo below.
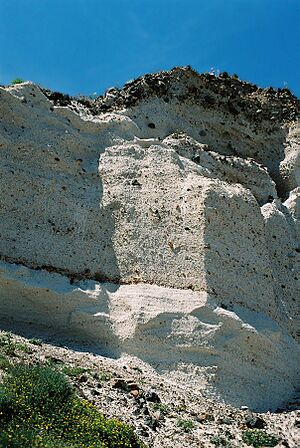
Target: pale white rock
x,y
231,169
293,205
281,238
157,210
241,356
290,166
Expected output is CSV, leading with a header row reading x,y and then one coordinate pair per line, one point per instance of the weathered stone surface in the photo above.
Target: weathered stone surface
x,y
241,356
230,169
167,199
281,238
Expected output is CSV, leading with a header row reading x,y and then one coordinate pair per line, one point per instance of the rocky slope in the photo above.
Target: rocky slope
x,y
161,222
165,413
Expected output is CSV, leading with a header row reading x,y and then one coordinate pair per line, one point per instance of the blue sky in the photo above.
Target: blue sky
x,y
86,46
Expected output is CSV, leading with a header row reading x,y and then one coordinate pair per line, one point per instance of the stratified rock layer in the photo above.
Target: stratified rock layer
x,y
183,187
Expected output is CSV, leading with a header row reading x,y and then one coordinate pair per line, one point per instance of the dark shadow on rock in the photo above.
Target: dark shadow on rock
x,y
85,327
64,219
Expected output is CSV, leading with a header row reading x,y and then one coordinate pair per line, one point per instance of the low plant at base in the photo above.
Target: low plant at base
x,y
35,341
221,441
163,408
259,438
73,372
186,425
39,408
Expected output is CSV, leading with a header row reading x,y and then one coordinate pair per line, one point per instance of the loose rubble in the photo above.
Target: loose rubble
x,y
164,414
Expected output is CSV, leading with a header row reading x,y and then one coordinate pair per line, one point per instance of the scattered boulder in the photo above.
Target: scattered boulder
x,y
254,422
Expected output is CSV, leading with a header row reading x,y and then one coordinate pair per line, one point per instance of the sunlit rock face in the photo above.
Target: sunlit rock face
x,y
160,221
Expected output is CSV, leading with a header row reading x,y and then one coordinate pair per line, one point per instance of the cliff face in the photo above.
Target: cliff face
x,y
159,221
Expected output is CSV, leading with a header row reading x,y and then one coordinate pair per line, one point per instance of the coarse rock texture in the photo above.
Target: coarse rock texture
x,y
168,328
165,413
160,221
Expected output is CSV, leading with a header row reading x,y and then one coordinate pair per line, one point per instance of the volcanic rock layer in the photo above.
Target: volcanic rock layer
x,y
160,221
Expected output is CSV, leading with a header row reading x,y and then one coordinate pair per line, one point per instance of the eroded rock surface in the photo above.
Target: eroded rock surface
x,y
168,216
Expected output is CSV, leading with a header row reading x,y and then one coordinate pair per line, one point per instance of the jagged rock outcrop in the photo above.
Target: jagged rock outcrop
x,y
162,221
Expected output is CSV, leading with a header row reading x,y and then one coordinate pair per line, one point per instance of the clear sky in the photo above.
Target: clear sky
x,y
86,46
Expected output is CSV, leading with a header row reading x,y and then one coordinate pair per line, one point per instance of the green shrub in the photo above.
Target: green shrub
x,y
73,372
35,341
104,376
4,363
7,344
163,408
186,425
17,81
39,409
53,363
259,438
221,441
23,348
35,389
